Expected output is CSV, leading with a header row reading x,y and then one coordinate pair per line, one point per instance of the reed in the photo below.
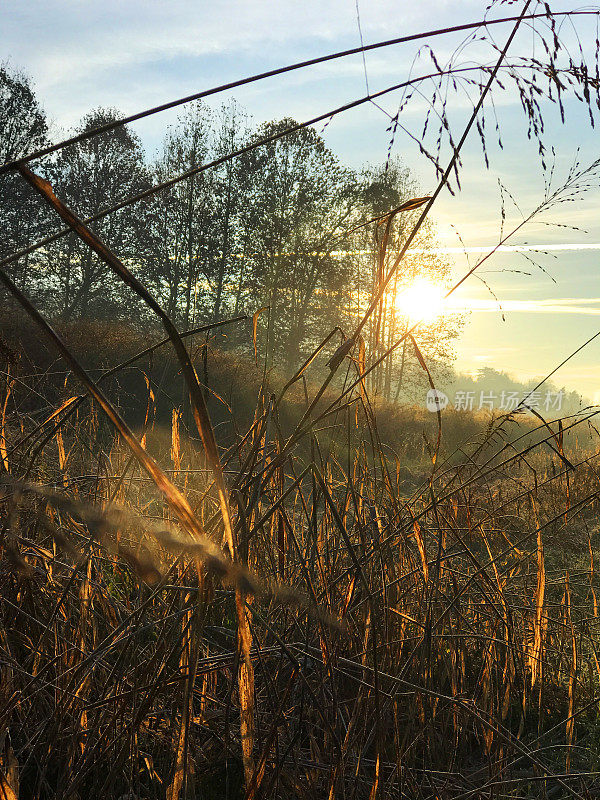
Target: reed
x,y
276,594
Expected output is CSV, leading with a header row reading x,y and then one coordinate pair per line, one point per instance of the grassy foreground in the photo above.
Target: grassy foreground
x,y
376,626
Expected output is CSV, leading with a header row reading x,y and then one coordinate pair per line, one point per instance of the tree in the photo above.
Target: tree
x,y
184,245
382,189
298,197
23,129
88,177
229,188
23,124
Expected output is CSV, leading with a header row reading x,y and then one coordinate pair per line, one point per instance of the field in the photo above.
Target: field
x,y
240,558
430,630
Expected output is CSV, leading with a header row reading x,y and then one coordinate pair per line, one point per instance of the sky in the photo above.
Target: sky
x,y
531,305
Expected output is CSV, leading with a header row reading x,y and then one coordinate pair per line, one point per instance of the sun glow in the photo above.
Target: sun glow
x,y
422,300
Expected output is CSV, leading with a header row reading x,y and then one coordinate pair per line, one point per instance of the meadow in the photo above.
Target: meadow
x,y
415,627
235,562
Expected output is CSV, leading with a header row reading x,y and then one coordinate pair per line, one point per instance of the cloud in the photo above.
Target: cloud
x,y
75,49
68,40
485,249
516,248
588,306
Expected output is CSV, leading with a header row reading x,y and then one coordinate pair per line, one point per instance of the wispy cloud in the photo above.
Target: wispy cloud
x,y
484,249
516,248
589,306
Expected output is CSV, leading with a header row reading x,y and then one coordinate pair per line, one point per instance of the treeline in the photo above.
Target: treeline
x,y
279,226
492,389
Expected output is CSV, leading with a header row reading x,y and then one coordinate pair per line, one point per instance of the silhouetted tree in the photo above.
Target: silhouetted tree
x,y
381,189
23,129
89,177
298,197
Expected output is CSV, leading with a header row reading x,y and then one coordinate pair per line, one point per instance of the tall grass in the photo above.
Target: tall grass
x,y
422,634
280,590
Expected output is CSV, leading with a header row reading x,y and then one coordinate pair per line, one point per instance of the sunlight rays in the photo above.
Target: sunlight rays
x,y
422,300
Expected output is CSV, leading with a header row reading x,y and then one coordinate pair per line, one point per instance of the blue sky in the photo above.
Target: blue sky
x,y
132,54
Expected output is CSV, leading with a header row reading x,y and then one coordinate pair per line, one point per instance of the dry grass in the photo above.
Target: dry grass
x,y
435,640
316,596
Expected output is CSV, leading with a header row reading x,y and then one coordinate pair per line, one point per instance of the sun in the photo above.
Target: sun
x,y
423,300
